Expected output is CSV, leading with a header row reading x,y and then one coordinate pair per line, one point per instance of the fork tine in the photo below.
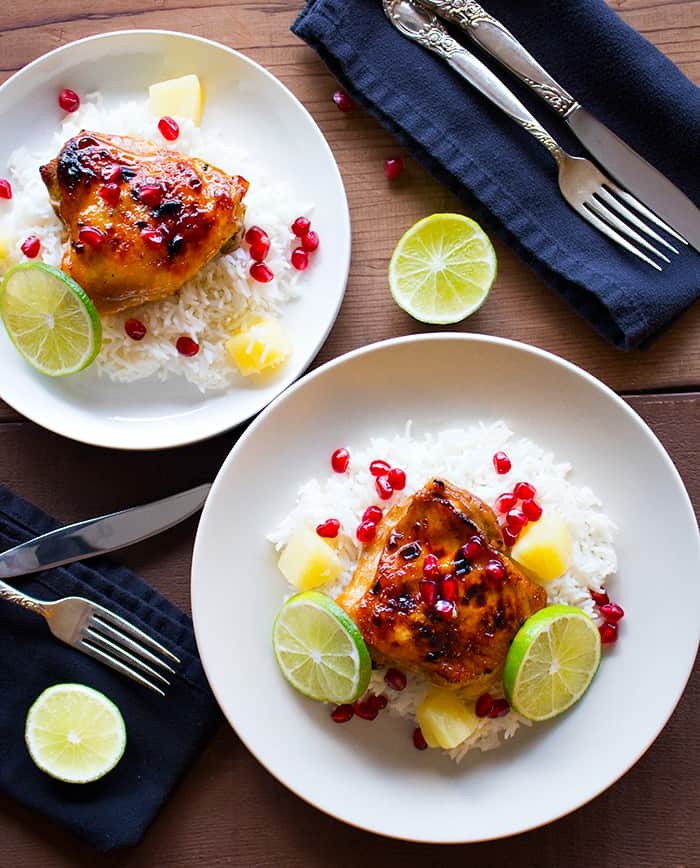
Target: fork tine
x,y
609,217
589,215
631,217
106,644
123,640
95,653
125,627
635,203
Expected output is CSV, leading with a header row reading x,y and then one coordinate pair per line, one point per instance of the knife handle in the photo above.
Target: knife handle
x,y
500,43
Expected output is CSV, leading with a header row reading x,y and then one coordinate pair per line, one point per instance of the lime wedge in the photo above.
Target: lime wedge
x,y
442,269
75,734
551,662
49,319
320,650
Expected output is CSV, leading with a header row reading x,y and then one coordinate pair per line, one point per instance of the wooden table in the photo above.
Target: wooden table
x,y
228,810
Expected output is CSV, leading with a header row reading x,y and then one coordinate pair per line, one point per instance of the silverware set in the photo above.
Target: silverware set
x,y
644,213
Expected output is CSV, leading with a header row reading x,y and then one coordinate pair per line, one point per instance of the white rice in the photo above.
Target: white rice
x,y
464,457
212,304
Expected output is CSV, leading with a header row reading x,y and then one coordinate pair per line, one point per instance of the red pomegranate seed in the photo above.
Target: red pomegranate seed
x,y
484,704
169,128
152,238
393,168
329,528
135,329
395,679
599,597
300,259
501,462
69,100
379,467
110,193
431,566
301,226
380,701
340,460
5,189
419,741
31,246
383,486
473,548
608,633
366,708
495,570
260,272
342,713
255,234
612,612
91,236
532,510
448,589
151,194
186,346
445,609
499,708
343,101
366,531
310,241
506,501
516,519
259,249
397,478
373,513
112,173
510,536
524,490
428,590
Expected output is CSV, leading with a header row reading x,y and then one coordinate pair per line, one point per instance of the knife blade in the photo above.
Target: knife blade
x,y
97,536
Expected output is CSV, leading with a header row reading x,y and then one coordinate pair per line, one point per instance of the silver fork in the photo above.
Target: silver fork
x,y
99,633
589,192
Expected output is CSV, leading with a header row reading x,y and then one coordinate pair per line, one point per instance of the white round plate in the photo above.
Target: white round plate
x,y
370,775
244,102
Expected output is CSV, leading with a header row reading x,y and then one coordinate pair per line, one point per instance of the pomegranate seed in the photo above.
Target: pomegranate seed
x,y
135,329
69,100
169,128
608,633
343,101
366,708
110,194
329,528
300,259
373,513
342,713
380,701
501,462
504,502
473,548
383,486
445,609
310,241
379,467
612,612
393,168
516,519
499,708
599,597
419,741
151,194
532,510
340,460
91,236
301,226
260,272
524,490
428,590
152,238
431,566
448,589
259,249
495,570
186,346
366,531
31,246
5,189
397,478
510,536
112,173
256,234
395,679
484,704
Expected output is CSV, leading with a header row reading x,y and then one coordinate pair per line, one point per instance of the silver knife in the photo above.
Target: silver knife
x,y
97,536
627,167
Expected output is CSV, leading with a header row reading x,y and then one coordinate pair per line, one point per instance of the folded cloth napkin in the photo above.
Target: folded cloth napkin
x,y
506,177
164,734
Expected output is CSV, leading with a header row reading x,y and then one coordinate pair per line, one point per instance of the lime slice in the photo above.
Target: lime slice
x,y
442,269
75,734
551,662
49,319
320,650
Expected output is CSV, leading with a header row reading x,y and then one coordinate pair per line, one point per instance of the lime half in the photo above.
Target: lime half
x,y
320,650
49,319
442,269
75,734
551,662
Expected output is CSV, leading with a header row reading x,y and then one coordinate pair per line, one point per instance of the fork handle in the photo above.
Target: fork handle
x,y
12,595
500,43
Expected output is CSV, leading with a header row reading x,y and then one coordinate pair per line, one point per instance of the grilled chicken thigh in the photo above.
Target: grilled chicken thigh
x,y
461,646
141,219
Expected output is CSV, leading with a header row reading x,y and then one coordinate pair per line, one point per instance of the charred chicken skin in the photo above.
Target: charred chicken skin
x,y
141,219
462,645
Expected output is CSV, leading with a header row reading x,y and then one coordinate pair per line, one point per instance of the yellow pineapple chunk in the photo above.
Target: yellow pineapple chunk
x,y
262,346
177,96
544,547
307,561
445,720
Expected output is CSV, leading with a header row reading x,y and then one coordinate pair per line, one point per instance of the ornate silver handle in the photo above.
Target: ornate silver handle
x,y
416,23
493,37
12,595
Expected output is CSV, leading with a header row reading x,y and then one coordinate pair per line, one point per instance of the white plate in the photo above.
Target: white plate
x,y
246,103
370,775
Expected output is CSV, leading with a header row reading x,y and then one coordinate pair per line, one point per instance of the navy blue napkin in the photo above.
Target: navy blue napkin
x,y
506,178
164,734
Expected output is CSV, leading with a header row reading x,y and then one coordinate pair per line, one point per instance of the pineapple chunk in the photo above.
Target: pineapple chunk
x,y
261,346
307,561
544,547
445,720
178,96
